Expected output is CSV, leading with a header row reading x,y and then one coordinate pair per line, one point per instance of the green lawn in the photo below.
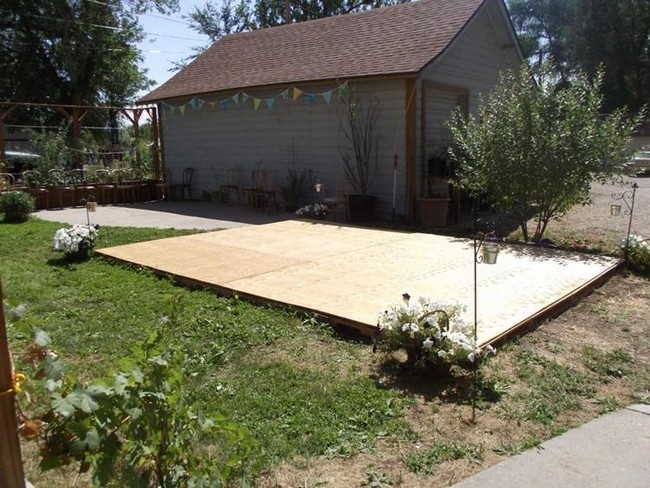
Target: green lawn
x,y
254,363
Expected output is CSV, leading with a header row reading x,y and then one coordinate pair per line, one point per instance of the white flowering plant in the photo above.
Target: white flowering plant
x,y
430,332
638,253
76,240
313,210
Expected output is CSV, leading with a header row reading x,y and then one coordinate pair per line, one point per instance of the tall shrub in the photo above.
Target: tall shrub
x,y
535,148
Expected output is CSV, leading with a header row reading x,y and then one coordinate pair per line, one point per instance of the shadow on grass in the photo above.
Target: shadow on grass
x,y
454,385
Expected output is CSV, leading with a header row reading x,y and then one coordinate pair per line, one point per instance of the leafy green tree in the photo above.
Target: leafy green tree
x,y
536,148
587,35
73,51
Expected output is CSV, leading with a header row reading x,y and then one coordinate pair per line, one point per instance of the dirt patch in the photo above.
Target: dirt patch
x,y
600,348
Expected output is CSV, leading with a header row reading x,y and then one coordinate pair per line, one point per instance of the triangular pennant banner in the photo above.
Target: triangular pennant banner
x,y
285,94
201,103
296,93
171,109
244,97
235,98
256,103
310,99
193,103
270,102
327,96
224,104
211,104
182,109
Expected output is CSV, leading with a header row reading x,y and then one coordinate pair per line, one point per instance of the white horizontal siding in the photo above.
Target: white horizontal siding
x,y
211,140
475,60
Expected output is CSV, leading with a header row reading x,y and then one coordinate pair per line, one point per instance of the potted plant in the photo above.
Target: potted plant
x,y
292,190
434,207
360,166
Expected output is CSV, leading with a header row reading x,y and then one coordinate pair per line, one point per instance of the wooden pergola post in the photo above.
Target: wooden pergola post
x,y
11,464
155,129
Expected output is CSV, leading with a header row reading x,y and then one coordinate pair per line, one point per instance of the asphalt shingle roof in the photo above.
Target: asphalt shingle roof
x,y
399,39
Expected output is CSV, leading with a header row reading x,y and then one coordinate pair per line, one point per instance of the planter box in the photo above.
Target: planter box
x,y
433,211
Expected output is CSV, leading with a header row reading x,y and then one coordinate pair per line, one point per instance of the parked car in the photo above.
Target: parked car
x,y
18,161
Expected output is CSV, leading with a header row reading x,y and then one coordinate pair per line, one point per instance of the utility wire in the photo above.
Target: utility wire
x,y
112,28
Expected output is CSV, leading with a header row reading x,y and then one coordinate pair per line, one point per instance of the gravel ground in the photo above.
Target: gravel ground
x,y
595,222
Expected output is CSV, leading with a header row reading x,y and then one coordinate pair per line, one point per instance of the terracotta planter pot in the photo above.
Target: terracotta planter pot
x,y
433,211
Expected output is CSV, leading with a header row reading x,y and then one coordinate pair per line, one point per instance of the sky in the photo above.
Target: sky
x,y
174,41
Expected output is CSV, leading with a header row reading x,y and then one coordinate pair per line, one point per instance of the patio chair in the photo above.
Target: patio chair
x,y
267,192
232,185
185,184
83,191
36,188
60,184
339,202
251,193
125,188
7,182
103,182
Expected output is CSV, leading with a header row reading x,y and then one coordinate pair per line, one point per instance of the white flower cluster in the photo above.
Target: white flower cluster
x,y
312,210
425,320
74,239
636,242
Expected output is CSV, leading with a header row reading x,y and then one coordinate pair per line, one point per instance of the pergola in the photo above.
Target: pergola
x,y
75,114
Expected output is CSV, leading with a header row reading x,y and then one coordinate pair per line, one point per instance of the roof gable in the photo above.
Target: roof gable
x,y
400,39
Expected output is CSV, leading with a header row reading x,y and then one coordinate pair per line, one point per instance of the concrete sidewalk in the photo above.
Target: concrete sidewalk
x,y
166,215
610,451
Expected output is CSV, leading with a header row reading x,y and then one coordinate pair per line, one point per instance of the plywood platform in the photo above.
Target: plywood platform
x,y
350,274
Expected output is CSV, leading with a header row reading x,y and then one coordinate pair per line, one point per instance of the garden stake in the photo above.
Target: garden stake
x,y
630,211
478,244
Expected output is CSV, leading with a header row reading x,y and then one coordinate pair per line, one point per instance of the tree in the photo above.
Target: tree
x,y
537,148
587,35
78,52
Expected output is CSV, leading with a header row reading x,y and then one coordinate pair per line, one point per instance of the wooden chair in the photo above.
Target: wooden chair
x,y
124,186
59,180
83,190
185,184
7,182
232,184
103,182
251,192
339,201
36,188
267,193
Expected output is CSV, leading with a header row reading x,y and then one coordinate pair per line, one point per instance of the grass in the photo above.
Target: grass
x,y
324,410
95,310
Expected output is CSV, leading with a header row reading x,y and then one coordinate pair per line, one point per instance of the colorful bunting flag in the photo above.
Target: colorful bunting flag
x,y
270,102
235,98
256,103
327,96
296,93
182,109
310,99
244,97
224,104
